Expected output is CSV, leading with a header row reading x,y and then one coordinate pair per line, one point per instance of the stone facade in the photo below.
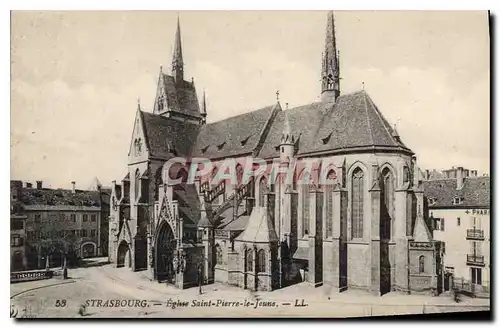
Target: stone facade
x,y
351,216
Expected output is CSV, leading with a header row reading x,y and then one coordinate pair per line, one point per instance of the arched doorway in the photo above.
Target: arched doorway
x,y
124,258
88,250
165,248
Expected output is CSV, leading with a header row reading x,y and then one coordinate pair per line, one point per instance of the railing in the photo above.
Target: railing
x,y
30,275
210,195
475,259
475,234
239,194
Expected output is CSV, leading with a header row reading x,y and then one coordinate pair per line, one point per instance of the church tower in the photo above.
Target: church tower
x,y
176,98
330,77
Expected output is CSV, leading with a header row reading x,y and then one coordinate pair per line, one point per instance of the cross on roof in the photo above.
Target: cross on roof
x,y
278,95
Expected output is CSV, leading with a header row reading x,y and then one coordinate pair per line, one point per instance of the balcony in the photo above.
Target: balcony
x,y
475,234
473,259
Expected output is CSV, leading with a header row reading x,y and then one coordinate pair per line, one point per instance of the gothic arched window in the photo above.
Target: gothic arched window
x,y
262,190
218,252
239,174
261,261
357,195
306,197
137,183
421,264
249,260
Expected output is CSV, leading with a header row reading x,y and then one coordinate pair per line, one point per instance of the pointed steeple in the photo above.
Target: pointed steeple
x,y
177,61
330,76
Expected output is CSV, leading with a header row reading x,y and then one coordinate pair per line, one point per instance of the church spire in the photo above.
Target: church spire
x,y
177,62
330,78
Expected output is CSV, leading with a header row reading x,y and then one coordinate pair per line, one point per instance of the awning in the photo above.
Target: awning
x,y
302,253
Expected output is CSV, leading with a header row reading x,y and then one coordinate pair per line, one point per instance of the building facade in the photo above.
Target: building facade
x,y
55,222
351,216
459,207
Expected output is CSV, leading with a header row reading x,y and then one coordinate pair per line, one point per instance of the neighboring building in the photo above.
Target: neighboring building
x,y
18,259
459,206
57,221
363,228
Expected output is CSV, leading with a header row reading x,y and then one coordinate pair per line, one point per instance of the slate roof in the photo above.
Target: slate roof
x,y
167,137
259,228
475,192
352,122
181,97
232,136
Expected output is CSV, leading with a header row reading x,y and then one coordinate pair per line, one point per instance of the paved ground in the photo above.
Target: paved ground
x,y
101,287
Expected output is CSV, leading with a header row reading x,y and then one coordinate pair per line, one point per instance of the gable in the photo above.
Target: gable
x,y
138,150
179,97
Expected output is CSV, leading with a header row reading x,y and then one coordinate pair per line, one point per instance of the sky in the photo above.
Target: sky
x,y
76,79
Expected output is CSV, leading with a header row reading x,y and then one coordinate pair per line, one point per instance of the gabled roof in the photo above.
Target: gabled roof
x,y
233,136
474,193
166,137
352,122
259,228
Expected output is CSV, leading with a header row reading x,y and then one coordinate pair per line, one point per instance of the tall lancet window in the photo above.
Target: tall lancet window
x,y
357,195
262,191
306,198
137,183
329,202
387,204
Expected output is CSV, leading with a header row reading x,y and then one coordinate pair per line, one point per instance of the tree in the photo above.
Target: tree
x,y
56,242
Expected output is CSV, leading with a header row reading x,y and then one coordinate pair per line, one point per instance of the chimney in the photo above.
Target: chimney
x,y
473,173
73,189
39,185
460,177
427,175
29,185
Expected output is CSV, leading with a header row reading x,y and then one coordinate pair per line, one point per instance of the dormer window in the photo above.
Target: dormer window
x,y
432,201
219,147
327,138
458,200
161,102
244,141
204,149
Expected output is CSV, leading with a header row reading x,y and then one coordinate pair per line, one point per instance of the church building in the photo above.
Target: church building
x,y
364,227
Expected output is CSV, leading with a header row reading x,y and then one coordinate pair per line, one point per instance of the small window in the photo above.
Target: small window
x,y
458,222
38,218
83,233
432,201
16,241
93,217
421,264
92,233
73,217
85,217
458,200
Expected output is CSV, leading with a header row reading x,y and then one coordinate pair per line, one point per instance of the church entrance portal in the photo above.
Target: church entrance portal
x,y
165,248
